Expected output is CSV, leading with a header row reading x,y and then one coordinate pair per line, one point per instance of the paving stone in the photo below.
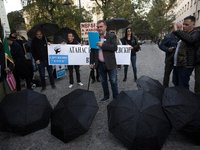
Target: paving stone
x,y
150,62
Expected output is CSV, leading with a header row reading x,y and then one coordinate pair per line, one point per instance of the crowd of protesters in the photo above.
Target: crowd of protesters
x,y
181,47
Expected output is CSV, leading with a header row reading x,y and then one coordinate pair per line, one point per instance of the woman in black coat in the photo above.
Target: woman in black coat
x,y
131,40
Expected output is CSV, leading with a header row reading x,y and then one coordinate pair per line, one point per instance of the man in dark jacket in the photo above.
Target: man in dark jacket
x,y
39,52
71,40
3,70
168,45
185,55
105,60
23,67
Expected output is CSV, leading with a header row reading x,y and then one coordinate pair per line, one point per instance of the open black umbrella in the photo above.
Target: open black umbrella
x,y
61,35
24,112
150,85
47,29
73,115
183,110
116,23
138,121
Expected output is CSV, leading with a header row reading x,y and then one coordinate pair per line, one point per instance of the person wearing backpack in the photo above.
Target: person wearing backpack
x,y
168,45
131,40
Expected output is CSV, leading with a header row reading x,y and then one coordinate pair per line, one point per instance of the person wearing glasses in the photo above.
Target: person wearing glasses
x,y
131,40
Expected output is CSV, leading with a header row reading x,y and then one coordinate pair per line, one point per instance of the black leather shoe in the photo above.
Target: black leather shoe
x,y
98,80
104,99
93,81
135,78
124,79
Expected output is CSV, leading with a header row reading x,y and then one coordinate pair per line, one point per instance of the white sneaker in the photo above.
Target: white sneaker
x,y
81,84
70,86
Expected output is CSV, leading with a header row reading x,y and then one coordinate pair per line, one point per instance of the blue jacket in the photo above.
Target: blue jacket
x,y
170,40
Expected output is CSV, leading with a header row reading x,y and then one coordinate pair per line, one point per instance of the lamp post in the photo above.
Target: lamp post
x,y
80,11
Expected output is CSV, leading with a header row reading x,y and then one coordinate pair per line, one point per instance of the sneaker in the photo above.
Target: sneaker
x,y
81,84
33,86
70,86
104,99
53,87
43,89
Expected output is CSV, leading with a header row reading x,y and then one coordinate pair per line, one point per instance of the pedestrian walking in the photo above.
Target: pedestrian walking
x,y
105,60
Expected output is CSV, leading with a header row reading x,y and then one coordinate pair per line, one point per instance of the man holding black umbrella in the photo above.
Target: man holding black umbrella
x,y
39,51
105,60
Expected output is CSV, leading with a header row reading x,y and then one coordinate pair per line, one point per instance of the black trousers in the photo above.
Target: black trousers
x,y
18,83
168,69
71,79
92,75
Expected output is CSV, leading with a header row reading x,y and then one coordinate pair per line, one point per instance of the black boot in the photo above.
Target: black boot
x,y
135,78
125,78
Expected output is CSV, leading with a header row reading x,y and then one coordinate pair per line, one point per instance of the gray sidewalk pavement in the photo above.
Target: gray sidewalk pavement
x,y
150,62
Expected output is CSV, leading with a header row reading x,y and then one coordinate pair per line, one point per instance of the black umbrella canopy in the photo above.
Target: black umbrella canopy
x,y
116,23
138,121
73,115
61,35
24,112
47,28
150,85
183,110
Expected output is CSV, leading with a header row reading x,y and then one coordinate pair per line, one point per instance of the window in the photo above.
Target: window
x,y
198,14
188,5
191,3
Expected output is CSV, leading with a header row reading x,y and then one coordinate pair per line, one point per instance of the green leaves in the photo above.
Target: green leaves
x,y
54,11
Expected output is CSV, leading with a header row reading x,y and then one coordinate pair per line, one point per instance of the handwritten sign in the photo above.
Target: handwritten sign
x,y
87,27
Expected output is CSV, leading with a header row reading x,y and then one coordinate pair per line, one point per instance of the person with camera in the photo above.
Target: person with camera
x,y
168,45
185,54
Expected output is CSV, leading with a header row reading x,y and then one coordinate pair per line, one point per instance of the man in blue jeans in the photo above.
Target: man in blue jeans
x,y
185,54
104,59
39,52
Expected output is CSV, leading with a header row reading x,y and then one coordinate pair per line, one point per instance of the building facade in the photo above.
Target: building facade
x,y
186,8
3,17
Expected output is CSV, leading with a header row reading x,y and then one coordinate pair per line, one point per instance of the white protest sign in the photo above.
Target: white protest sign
x,y
66,54
60,71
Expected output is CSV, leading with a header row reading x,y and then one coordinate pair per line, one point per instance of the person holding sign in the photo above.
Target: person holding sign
x,y
76,67
104,59
131,40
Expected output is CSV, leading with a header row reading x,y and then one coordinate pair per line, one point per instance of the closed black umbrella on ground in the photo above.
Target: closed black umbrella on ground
x,y
116,23
47,28
24,112
138,121
61,35
150,85
183,109
73,115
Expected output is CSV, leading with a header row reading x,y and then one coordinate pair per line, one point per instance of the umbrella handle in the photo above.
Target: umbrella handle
x,y
89,80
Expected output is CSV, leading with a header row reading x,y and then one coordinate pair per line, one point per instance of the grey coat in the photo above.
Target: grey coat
x,y
109,47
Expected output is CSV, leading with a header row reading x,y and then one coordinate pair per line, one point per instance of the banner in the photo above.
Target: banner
x,y
66,54
60,71
88,27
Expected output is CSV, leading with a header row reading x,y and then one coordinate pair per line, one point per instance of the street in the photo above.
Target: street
x,y
150,62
